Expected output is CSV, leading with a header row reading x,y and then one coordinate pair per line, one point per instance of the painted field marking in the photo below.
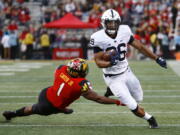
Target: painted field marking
x,y
154,96
7,74
85,125
20,67
89,103
14,70
29,91
175,65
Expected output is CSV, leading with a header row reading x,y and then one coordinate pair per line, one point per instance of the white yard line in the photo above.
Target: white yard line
x,y
20,67
89,103
29,91
175,65
14,70
85,125
7,74
154,96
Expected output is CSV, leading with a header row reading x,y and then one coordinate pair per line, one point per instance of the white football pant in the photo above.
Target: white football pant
x,y
126,87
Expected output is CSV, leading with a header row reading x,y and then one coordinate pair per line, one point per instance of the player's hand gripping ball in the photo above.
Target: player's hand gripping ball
x,y
112,56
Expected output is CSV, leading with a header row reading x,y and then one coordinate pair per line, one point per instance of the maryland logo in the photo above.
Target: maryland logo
x,y
85,86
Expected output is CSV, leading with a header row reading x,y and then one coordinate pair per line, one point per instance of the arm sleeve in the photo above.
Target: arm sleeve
x,y
97,49
131,39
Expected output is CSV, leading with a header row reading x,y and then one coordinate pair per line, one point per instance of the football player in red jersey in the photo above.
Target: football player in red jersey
x,y
69,85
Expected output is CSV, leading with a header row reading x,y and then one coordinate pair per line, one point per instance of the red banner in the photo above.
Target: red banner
x,y
64,54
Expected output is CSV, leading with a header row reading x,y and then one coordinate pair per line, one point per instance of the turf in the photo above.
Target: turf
x,y
161,99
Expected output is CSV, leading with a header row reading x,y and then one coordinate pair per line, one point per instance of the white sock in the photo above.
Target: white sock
x,y
147,116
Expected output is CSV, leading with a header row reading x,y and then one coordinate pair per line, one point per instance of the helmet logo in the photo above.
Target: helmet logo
x,y
77,67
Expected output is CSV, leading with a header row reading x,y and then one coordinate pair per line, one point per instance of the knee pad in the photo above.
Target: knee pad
x,y
139,100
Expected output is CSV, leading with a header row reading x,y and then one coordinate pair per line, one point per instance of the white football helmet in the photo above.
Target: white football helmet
x,y
110,21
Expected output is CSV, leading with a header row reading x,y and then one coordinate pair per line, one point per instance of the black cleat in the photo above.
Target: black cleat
x,y
8,115
152,123
108,92
68,111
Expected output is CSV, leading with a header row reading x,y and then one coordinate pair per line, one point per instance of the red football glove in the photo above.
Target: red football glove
x,y
118,103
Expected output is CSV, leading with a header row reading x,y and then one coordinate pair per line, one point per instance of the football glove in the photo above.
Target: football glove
x,y
114,58
161,62
118,103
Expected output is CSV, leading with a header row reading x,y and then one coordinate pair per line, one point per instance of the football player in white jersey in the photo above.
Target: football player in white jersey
x,y
117,73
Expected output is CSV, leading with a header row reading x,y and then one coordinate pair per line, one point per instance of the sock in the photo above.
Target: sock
x,y
147,116
20,112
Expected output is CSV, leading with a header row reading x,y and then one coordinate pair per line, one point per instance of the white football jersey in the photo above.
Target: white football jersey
x,y
102,40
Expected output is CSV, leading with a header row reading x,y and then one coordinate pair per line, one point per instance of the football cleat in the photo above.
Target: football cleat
x,y
108,92
152,123
8,115
68,111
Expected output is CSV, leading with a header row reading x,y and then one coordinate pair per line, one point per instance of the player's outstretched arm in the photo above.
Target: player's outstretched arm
x,y
92,95
138,45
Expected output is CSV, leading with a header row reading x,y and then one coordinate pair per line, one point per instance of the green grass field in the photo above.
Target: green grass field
x,y
21,81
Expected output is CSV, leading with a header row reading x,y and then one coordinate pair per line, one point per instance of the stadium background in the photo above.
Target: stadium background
x,y
154,22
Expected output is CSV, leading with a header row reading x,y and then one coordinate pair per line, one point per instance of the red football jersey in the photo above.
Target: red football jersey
x,y
66,89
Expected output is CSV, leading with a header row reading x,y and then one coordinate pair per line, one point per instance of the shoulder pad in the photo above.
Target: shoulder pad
x,y
96,39
85,85
125,29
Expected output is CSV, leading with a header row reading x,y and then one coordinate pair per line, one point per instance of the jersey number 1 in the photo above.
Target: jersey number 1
x,y
60,89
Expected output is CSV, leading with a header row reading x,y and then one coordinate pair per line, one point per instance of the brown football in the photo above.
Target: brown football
x,y
107,55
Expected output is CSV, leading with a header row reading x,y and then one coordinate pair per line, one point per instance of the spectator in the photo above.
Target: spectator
x,y
1,46
1,6
154,42
24,16
45,44
52,38
12,26
84,45
70,6
177,41
6,45
22,43
28,41
165,45
13,41
174,11
45,3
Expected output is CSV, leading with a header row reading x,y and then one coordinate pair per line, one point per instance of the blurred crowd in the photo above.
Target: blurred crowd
x,y
156,23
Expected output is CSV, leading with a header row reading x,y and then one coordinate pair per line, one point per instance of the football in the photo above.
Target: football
x,y
107,55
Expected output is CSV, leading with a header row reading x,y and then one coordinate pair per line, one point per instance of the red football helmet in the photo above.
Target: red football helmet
x,y
77,68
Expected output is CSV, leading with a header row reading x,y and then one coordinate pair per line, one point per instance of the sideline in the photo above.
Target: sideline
x,y
175,65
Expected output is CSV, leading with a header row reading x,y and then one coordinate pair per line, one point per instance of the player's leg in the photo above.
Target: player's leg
x,y
28,110
139,111
119,89
44,107
135,89
24,111
108,92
